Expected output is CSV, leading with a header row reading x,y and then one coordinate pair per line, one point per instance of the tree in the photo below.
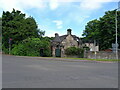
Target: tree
x,y
92,30
0,33
103,30
16,26
0,27
107,29
31,47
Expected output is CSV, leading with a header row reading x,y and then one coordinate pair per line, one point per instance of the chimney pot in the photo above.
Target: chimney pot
x,y
56,34
69,31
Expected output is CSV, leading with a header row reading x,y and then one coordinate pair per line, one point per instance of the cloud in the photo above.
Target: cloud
x,y
22,5
90,5
88,0
53,4
94,4
58,23
51,32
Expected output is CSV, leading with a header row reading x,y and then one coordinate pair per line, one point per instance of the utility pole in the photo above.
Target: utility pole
x,y
95,48
116,42
116,34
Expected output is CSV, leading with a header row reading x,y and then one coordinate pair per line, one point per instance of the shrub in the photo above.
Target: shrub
x,y
5,50
86,48
74,51
31,47
19,50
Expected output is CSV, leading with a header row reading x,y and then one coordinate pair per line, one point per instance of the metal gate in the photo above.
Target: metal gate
x,y
58,52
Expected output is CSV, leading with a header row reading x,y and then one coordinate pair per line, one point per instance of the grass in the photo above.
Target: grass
x,y
113,60
94,59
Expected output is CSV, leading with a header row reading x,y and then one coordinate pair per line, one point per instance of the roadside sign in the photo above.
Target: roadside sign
x,y
114,45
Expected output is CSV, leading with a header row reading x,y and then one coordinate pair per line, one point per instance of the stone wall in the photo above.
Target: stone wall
x,y
101,55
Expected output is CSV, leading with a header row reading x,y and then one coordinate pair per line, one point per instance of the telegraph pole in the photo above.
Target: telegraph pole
x,y
116,42
95,48
116,34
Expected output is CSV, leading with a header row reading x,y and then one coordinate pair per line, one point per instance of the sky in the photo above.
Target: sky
x,y
56,16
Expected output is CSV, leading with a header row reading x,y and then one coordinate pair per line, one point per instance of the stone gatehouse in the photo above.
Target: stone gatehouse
x,y
60,43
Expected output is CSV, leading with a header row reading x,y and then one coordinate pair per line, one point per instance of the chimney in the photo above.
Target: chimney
x,y
57,38
56,35
69,31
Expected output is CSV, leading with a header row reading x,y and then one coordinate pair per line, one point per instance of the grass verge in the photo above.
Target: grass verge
x,y
113,60
94,59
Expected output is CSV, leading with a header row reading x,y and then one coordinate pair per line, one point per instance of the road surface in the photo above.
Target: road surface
x,y
35,72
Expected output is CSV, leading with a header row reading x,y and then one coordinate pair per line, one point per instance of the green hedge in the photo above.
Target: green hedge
x,y
74,51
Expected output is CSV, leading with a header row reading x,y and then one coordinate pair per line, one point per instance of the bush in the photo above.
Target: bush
x,y
86,48
31,47
5,50
74,51
19,50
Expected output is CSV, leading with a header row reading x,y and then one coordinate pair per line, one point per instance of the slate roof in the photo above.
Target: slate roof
x,y
61,38
56,39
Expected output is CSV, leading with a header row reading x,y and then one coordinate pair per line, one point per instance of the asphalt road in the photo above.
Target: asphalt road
x,y
33,72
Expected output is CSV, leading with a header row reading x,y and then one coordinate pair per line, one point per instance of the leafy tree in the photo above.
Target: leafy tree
x,y
16,26
31,47
92,29
0,25
47,38
107,29
103,30
0,33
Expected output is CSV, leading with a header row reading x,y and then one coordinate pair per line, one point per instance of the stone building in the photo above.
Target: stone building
x,y
92,44
60,43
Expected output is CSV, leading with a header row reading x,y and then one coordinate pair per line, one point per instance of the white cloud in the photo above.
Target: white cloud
x,y
58,23
90,5
8,5
93,4
32,3
53,4
88,0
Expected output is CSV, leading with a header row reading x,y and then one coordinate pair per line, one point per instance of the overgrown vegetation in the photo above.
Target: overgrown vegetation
x,y
31,47
74,51
0,34
103,30
26,38
86,48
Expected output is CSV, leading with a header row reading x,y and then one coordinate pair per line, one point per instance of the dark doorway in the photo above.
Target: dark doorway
x,y
58,52
41,52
